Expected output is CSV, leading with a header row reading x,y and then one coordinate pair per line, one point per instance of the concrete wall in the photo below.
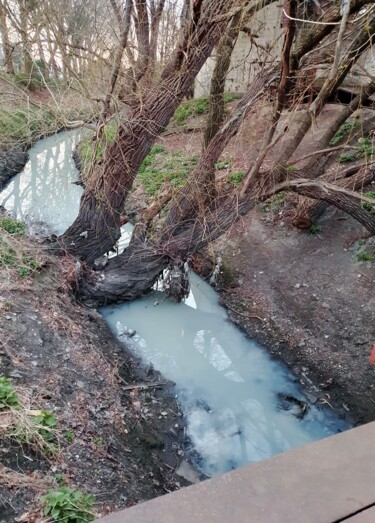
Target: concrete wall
x,y
265,47
248,55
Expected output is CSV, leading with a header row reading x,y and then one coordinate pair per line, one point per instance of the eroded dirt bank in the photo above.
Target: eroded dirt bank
x,y
308,299
119,434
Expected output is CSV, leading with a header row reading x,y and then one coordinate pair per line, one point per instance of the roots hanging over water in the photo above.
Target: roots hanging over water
x,y
176,284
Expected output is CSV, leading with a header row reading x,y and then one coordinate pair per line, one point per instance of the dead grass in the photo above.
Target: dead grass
x,y
18,480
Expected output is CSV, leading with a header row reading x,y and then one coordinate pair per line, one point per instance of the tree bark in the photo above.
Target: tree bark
x,y
7,48
309,210
96,228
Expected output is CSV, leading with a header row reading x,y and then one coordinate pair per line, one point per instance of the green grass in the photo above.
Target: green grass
x,y
344,130
221,165
66,505
12,254
12,226
18,125
160,165
92,150
365,256
38,432
236,178
196,107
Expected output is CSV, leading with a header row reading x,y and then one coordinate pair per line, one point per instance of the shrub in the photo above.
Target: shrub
x,y
12,226
364,256
314,229
8,396
368,206
236,178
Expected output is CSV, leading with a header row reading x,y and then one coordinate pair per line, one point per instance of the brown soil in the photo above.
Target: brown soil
x,y
310,302
118,441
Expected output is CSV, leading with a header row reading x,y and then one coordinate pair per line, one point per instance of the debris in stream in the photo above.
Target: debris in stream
x,y
296,406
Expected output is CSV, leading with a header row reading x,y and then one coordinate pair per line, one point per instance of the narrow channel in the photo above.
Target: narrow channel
x,y
239,404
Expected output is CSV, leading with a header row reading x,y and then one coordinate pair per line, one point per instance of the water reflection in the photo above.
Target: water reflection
x,y
45,192
227,385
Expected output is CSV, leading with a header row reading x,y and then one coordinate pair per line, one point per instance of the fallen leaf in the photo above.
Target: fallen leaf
x,y
372,356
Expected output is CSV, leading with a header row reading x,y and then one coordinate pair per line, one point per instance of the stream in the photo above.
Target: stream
x,y
239,404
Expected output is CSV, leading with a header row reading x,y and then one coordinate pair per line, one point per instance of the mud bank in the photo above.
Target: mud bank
x,y
310,301
120,434
12,161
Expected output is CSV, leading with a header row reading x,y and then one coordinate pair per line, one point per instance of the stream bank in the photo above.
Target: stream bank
x,y
120,434
309,300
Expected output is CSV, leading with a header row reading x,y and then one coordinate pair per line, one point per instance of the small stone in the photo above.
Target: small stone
x,y
164,413
80,384
297,286
15,374
311,398
35,363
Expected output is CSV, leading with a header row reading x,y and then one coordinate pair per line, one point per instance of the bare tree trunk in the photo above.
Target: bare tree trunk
x,y
310,210
216,106
26,48
7,48
96,228
125,27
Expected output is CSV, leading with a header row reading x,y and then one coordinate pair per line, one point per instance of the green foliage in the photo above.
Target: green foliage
x,y
21,125
221,165
36,431
47,424
236,178
273,203
8,396
191,108
66,505
92,150
345,129
365,256
314,229
368,206
12,226
160,165
155,149
8,256
291,168
196,107
69,436
364,150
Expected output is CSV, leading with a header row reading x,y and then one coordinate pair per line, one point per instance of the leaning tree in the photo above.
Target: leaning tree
x,y
202,210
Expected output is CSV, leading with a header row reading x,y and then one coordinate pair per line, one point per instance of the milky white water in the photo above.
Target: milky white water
x,y
226,384
44,191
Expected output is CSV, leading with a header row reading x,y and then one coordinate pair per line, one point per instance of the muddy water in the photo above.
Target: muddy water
x,y
228,387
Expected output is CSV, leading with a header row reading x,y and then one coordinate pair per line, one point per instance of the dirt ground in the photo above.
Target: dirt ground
x,y
310,302
119,431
